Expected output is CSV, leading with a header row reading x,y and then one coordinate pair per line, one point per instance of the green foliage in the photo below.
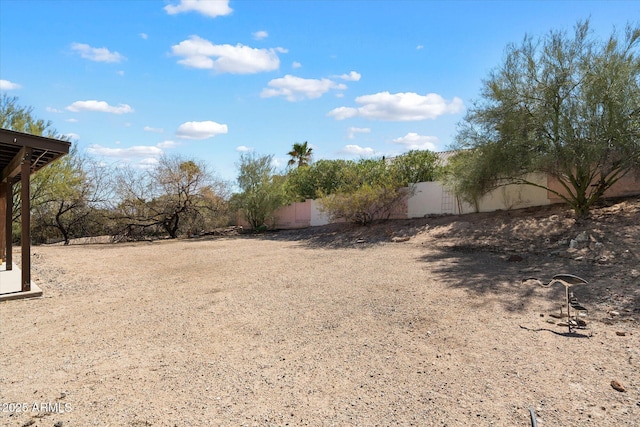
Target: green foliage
x,y
262,190
464,175
322,177
415,166
326,177
563,105
369,190
365,190
300,155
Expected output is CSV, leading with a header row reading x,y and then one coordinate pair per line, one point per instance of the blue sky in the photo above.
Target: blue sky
x,y
132,80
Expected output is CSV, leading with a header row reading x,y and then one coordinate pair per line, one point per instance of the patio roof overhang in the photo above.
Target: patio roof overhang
x,y
43,151
22,154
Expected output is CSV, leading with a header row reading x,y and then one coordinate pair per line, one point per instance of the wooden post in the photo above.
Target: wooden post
x,y
3,218
25,216
8,226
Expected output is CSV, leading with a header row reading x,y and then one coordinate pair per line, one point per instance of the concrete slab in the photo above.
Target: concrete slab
x,y
11,286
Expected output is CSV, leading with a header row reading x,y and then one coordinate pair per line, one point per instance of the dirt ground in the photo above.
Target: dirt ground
x,y
420,322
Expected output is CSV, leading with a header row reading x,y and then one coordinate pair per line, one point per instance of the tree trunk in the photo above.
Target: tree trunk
x,y
63,230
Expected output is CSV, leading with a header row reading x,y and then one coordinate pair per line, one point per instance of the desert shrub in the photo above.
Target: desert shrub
x,y
262,190
369,191
364,205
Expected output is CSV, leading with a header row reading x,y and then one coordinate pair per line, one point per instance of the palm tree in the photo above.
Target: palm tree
x,y
301,154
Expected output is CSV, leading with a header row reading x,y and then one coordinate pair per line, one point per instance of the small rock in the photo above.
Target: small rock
x,y
29,423
556,315
58,424
573,244
361,241
551,321
618,386
614,313
621,333
515,258
401,239
635,273
582,237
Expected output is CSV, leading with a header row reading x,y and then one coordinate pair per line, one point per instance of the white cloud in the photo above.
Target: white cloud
x,y
413,141
225,58
144,36
52,110
154,130
126,153
139,156
296,88
419,47
167,144
120,72
399,107
260,35
7,85
243,149
353,76
98,54
342,113
278,162
101,106
352,131
296,64
200,130
72,120
356,150
211,8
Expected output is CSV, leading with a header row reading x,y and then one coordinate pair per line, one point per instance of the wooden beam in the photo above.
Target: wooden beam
x,y
25,216
15,165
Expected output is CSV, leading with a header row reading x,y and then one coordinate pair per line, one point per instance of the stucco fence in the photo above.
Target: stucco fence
x,y
432,198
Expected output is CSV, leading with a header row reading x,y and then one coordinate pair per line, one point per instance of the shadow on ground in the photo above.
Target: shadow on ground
x,y
492,276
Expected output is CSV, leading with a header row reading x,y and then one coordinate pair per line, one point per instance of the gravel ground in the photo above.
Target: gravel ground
x,y
340,327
